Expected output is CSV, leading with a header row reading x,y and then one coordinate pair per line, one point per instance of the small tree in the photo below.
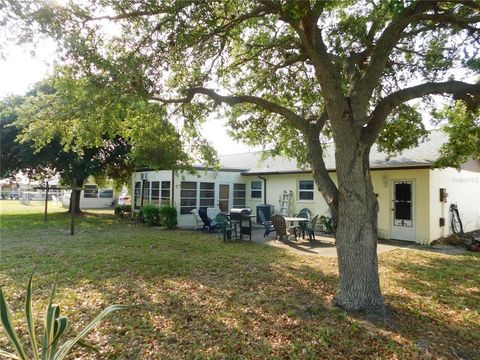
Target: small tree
x,y
56,128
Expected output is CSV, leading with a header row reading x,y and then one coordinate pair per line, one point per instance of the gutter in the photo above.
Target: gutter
x,y
264,189
412,167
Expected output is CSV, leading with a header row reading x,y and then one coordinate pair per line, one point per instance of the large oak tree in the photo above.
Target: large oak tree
x,y
287,74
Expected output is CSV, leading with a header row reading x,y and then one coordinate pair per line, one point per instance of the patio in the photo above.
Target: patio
x,y
324,245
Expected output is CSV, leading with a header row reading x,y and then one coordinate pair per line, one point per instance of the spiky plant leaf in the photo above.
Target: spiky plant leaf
x,y
29,318
10,330
68,345
8,355
51,313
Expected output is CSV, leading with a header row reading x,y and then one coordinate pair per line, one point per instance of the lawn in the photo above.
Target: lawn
x,y
201,298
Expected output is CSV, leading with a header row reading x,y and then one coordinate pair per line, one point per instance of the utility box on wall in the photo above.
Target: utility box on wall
x,y
441,222
443,195
267,211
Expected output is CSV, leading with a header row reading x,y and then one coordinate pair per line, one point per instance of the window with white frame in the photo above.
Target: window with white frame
x,y
239,196
256,189
105,194
146,192
207,194
91,191
165,194
137,193
155,193
188,196
305,190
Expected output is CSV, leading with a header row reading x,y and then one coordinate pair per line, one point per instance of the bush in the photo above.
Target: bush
x,y
121,210
150,214
168,216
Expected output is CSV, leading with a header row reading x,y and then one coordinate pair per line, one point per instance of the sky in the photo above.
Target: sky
x,y
21,69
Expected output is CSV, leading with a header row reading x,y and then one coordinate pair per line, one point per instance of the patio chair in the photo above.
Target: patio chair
x,y
198,219
208,223
310,228
280,226
267,224
302,225
225,226
307,211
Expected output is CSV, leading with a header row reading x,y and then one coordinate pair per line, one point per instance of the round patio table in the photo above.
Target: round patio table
x,y
293,220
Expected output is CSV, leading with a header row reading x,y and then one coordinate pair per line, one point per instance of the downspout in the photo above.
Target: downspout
x,y
264,189
172,191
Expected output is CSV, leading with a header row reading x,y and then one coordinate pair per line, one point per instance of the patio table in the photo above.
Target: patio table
x,y
293,220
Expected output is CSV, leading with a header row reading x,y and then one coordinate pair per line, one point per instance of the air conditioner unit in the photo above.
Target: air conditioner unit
x,y
144,176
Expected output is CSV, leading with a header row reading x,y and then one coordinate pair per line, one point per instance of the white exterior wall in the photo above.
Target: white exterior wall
x,y
463,188
217,177
89,203
382,183
277,184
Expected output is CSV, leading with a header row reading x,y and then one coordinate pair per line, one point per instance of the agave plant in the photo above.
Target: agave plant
x,y
53,328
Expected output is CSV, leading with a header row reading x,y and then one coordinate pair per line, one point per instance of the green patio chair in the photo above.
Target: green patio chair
x,y
302,225
310,228
225,226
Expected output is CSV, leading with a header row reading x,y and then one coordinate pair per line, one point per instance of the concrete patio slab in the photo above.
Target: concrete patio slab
x,y
325,245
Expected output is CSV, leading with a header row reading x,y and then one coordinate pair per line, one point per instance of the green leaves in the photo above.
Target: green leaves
x,y
463,127
29,319
403,130
54,327
9,328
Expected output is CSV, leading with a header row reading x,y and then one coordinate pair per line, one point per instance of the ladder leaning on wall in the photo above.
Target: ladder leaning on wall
x,y
285,202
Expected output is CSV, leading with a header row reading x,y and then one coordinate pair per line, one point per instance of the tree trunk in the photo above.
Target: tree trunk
x,y
356,233
77,198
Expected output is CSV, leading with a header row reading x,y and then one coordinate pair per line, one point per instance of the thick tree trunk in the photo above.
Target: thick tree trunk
x,y
356,233
77,198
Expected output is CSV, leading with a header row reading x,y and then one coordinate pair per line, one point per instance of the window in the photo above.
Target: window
x,y
155,193
106,194
146,192
165,195
91,191
188,197
137,194
305,190
239,195
256,190
207,194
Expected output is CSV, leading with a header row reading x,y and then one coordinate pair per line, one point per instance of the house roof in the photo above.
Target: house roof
x,y
422,156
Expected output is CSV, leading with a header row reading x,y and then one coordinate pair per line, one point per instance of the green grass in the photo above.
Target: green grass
x,y
202,298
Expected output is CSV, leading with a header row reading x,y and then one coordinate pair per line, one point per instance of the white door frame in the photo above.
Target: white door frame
x,y
230,191
403,229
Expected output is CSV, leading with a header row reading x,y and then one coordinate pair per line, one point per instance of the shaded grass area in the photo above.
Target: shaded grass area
x,y
201,298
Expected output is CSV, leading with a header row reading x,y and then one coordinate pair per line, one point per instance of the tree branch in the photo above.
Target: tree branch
x,y
296,120
460,90
382,50
323,180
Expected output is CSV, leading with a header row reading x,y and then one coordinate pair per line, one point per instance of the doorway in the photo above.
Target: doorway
x,y
224,197
403,224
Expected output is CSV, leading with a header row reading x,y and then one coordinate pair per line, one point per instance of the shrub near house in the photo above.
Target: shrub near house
x,y
156,216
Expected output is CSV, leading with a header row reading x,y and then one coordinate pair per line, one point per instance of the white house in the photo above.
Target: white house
x,y
92,197
413,197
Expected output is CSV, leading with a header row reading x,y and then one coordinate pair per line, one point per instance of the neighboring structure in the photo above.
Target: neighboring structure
x,y
92,197
413,197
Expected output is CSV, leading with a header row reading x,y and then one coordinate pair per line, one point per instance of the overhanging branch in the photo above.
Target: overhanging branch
x,y
460,90
315,156
295,120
